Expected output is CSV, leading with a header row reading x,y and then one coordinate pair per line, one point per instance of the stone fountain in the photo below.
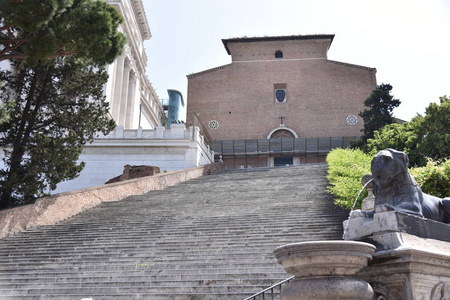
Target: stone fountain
x,y
399,249
325,270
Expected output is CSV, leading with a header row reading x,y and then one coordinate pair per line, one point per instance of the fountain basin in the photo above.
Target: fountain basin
x,y
324,258
325,269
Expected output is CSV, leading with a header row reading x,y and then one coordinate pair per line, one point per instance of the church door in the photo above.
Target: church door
x,y
283,161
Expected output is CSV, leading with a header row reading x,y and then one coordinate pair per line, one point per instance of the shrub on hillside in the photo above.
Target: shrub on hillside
x,y
345,170
434,178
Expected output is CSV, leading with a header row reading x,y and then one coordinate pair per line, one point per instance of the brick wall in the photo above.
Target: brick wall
x,y
320,94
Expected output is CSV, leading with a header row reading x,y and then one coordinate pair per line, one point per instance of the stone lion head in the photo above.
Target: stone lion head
x,y
390,170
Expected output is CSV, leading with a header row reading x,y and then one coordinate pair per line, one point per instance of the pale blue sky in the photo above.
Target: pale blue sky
x,y
407,41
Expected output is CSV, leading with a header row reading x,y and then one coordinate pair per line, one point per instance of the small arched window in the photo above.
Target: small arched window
x,y
278,54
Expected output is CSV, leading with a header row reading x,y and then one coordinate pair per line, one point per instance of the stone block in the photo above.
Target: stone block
x,y
415,271
412,257
394,221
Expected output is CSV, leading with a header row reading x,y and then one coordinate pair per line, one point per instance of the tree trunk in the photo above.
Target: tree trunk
x,y
25,129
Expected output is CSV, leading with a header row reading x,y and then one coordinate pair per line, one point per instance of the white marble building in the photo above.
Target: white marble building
x,y
140,138
133,101
169,149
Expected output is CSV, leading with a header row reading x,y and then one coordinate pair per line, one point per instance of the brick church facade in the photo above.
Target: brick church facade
x,y
280,101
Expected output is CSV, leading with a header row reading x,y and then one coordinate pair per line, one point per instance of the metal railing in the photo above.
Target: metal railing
x,y
271,293
279,146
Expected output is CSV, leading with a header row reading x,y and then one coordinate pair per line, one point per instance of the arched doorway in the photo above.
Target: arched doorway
x,y
282,133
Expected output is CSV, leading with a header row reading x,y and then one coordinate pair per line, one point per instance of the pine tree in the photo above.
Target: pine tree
x,y
54,108
33,30
53,98
380,105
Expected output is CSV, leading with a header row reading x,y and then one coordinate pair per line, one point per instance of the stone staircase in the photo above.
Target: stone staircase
x,y
209,238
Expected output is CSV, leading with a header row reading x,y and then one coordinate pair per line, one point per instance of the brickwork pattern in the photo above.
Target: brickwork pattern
x,y
320,94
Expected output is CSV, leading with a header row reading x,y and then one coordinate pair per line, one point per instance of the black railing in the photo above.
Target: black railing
x,y
271,293
279,146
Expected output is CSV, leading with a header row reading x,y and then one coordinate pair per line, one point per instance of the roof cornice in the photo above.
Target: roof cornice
x,y
142,19
208,71
352,65
277,38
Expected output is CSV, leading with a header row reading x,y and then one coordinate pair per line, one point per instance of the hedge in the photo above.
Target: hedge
x,y
345,170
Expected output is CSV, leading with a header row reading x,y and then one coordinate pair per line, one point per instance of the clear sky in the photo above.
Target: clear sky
x,y
407,41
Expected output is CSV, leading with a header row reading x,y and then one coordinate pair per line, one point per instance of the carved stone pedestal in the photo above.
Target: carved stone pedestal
x,y
412,259
325,270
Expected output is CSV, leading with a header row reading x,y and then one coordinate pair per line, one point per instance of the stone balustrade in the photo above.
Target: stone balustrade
x,y
169,149
177,131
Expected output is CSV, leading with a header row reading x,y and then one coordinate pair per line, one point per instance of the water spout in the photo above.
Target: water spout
x,y
359,194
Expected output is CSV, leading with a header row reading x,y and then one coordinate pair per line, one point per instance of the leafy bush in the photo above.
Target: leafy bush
x,y
345,170
434,178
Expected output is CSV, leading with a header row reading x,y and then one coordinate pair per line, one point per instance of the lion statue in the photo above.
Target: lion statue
x,y
396,189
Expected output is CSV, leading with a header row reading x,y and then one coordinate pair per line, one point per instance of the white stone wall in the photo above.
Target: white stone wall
x,y
169,149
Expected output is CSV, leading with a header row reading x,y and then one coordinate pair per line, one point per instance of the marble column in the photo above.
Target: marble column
x,y
130,101
117,87
124,94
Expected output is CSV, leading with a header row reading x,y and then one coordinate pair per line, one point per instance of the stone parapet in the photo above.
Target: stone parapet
x,y
53,209
412,258
177,131
411,273
169,150
387,223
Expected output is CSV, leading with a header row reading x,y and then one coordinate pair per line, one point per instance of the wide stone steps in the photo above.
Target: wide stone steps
x,y
209,238
132,280
155,236
135,296
124,287
155,276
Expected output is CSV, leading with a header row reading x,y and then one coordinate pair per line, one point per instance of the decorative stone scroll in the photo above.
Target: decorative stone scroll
x,y
440,292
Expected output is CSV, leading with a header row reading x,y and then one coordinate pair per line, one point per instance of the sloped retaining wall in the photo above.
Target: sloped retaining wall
x,y
53,209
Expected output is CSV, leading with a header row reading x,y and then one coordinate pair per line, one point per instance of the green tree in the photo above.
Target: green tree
x,y
402,137
54,108
423,138
34,30
435,130
380,105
